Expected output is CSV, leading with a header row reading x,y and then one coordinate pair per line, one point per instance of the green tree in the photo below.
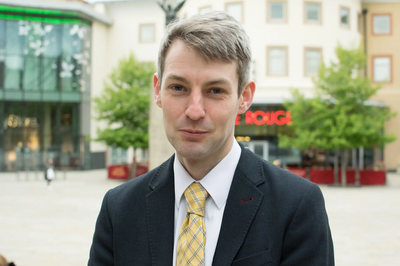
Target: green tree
x,y
124,104
339,117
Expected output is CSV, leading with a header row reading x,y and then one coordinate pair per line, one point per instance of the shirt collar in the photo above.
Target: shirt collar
x,y
217,182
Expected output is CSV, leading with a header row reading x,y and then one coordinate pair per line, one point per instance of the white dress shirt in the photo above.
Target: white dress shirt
x,y
217,182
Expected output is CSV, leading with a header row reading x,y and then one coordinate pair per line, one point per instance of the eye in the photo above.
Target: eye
x,y
217,91
177,88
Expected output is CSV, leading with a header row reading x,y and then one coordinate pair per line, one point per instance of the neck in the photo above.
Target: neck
x,y
198,168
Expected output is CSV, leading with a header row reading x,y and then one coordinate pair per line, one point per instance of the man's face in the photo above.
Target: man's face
x,y
200,103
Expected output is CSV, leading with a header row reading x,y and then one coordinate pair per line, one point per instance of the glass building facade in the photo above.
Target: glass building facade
x,y
44,89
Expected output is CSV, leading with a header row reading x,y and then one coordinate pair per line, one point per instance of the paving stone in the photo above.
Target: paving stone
x,y
47,226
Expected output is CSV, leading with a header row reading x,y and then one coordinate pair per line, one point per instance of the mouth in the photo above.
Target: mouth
x,y
193,133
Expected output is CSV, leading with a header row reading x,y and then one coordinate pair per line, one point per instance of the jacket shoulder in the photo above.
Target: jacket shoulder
x,y
270,177
140,186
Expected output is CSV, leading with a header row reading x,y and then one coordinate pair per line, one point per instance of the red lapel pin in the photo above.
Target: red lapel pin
x,y
245,200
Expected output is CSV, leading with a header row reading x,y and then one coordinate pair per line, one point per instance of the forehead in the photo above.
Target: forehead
x,y
178,45
182,56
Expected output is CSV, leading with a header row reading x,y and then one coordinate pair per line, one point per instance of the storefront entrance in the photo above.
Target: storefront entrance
x,y
33,132
259,147
258,129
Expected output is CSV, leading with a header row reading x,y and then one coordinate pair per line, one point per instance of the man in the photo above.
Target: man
x,y
214,202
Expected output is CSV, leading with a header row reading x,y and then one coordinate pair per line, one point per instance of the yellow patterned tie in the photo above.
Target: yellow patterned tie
x,y
192,236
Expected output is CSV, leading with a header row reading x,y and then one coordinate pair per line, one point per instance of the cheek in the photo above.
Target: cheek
x,y
225,119
171,112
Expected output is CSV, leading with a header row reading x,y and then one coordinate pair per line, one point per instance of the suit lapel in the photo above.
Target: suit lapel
x,y
242,205
160,208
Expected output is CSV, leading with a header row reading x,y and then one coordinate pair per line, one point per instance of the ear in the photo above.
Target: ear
x,y
157,90
247,96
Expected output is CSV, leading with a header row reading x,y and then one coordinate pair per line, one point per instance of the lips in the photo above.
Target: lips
x,y
193,133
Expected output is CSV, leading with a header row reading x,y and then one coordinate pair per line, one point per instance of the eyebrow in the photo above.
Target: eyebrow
x,y
176,77
218,81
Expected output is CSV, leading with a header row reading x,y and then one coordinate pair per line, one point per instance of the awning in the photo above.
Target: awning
x,y
80,10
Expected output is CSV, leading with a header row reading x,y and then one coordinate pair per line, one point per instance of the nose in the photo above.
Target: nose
x,y
195,109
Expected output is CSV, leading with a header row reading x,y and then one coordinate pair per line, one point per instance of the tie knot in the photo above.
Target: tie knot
x,y
196,196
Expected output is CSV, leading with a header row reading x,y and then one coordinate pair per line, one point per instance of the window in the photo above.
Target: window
x,y
147,33
72,57
313,59
118,155
344,17
381,24
277,11
382,68
312,12
277,61
14,62
37,131
2,52
50,65
235,10
37,56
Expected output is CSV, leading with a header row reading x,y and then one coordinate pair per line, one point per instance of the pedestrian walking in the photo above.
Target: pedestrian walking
x,y
49,171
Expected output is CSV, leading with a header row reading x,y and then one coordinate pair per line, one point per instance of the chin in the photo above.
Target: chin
x,y
192,152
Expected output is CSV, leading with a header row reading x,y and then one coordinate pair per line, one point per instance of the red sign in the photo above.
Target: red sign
x,y
261,118
118,172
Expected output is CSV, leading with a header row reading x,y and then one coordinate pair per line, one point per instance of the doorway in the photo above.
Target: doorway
x,y
259,147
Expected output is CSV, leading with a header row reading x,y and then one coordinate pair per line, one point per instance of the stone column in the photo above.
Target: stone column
x,y
159,147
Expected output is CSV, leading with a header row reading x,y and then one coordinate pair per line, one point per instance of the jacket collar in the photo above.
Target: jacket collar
x,y
243,202
242,205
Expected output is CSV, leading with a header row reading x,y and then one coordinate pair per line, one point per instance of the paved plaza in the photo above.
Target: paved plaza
x,y
53,226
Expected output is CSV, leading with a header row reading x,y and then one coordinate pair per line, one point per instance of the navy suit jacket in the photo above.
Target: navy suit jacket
x,y
272,217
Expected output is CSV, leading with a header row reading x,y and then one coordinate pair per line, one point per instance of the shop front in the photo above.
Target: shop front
x,y
45,75
258,130
33,132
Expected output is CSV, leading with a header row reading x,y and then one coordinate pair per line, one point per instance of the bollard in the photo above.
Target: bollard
x,y
65,174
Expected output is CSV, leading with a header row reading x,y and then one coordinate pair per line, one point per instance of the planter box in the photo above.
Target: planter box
x,y
121,171
141,169
326,176
322,176
118,171
298,171
367,177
